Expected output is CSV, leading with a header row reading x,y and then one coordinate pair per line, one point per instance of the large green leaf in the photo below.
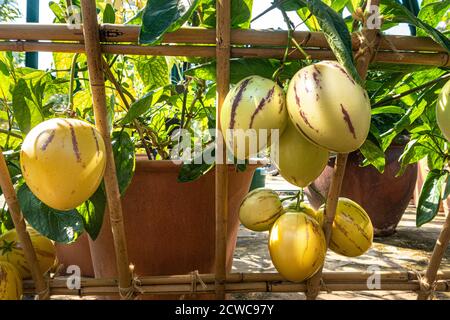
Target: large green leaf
x,y
124,157
109,15
197,168
395,12
153,71
414,151
373,154
432,14
337,35
27,114
431,196
161,16
92,212
141,106
241,13
60,226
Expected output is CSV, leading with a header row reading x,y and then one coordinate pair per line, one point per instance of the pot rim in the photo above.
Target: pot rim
x,y
143,163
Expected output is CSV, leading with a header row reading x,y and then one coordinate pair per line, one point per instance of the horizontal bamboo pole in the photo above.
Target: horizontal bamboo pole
x,y
257,286
127,33
340,276
417,58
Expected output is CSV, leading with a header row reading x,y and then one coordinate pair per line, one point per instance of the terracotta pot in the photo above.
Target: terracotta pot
x,y
77,253
170,226
383,196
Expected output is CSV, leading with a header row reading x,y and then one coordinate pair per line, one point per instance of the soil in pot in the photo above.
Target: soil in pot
x,y
384,196
170,226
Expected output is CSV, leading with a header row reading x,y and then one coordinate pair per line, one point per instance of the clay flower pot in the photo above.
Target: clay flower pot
x,y
383,196
170,226
76,253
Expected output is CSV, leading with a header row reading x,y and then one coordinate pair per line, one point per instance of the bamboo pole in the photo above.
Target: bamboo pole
x,y
244,287
329,277
223,28
97,82
441,245
369,42
271,38
9,193
439,59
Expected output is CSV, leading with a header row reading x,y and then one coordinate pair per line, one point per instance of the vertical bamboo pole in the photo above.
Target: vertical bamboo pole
x,y
223,29
97,81
21,229
438,253
364,56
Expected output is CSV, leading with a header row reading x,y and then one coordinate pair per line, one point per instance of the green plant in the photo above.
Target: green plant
x,y
149,97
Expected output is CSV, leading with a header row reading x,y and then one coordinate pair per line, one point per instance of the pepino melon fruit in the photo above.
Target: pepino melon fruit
x,y
329,107
260,209
10,282
253,108
297,246
11,251
443,111
352,230
299,161
63,162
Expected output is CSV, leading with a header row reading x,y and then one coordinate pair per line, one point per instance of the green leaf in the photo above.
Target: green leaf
x,y
430,197
161,16
27,114
433,13
124,157
413,152
446,189
153,71
57,11
241,13
337,35
391,10
109,15
374,155
60,226
197,168
141,106
92,212
388,109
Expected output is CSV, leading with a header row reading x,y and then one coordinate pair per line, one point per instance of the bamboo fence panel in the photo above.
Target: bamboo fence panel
x,y
243,37
223,21
369,41
9,193
97,82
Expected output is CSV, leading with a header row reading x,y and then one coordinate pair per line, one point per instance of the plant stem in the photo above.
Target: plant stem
x,y
72,80
408,92
13,134
111,78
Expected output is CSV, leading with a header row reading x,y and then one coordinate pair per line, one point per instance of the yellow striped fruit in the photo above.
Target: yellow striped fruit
x,y
297,246
299,161
352,230
443,110
63,161
329,107
12,251
260,209
304,208
10,282
254,103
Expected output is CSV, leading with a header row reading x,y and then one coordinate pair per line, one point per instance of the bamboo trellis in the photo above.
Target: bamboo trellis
x,y
222,43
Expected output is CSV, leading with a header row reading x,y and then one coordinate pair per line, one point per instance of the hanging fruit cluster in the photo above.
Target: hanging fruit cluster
x,y
324,111
297,243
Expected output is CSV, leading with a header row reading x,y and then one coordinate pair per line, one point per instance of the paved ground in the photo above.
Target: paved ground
x,y
408,249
